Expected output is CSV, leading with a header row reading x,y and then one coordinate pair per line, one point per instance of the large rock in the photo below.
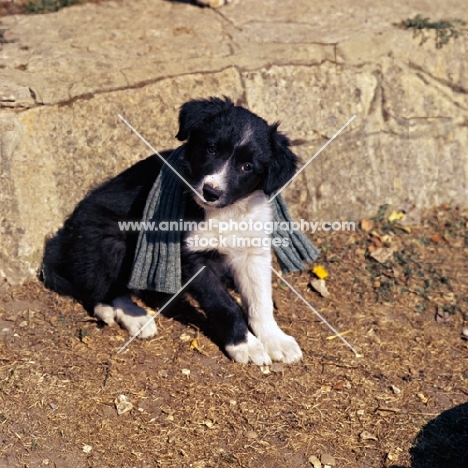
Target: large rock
x,y
65,77
51,156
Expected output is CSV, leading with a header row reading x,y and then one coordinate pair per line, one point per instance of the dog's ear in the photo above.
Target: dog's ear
x,y
193,113
284,163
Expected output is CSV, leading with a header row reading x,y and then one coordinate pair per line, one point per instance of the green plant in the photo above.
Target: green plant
x,y
444,29
48,6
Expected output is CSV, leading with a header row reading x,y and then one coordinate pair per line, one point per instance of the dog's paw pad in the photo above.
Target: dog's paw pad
x,y
282,347
105,312
250,350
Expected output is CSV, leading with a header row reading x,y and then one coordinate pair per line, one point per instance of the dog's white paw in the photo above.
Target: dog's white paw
x,y
281,347
251,350
105,312
133,318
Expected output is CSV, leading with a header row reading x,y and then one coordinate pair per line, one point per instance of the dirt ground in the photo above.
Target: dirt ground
x,y
60,374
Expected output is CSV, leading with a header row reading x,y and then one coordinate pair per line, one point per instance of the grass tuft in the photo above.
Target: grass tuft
x,y
444,29
48,6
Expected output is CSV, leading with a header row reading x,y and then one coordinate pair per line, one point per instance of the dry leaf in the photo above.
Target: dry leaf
x,y
393,455
442,316
339,386
422,397
403,228
195,344
436,238
396,216
123,404
376,241
320,286
383,255
367,225
387,238
365,435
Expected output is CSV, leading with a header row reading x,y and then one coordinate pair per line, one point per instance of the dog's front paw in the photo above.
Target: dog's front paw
x,y
133,318
281,347
105,312
250,350
143,326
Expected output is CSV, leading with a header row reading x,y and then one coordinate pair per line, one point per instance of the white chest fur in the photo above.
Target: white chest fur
x,y
235,229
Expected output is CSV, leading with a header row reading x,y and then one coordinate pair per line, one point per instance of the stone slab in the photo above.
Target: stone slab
x,y
64,77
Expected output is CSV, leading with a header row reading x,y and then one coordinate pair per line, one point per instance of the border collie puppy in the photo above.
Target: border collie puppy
x,y
235,160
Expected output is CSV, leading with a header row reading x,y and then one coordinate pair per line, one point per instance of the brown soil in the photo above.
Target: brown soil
x,y
60,374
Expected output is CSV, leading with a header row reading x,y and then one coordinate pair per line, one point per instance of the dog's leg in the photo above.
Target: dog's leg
x,y
252,275
228,318
128,315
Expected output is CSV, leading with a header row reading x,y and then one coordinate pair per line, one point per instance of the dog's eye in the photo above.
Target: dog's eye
x,y
247,167
212,149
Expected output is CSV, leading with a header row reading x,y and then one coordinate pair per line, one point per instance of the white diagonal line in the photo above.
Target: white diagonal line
x,y
162,159
161,309
312,158
316,313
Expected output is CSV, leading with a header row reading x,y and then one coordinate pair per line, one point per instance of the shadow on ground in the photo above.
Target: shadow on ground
x,y
443,442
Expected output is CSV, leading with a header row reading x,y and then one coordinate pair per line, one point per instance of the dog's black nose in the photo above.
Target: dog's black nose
x,y
211,194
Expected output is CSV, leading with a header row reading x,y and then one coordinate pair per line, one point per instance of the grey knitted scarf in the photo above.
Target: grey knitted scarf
x,y
157,264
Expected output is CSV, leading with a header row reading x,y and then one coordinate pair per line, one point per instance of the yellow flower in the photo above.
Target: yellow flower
x,y
320,272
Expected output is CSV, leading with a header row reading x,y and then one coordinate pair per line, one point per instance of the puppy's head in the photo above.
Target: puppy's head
x,y
232,152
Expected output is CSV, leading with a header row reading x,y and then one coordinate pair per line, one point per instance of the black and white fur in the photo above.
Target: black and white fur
x,y
236,160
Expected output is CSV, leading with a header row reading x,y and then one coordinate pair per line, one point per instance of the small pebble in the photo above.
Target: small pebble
x,y
327,459
251,435
315,462
465,332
